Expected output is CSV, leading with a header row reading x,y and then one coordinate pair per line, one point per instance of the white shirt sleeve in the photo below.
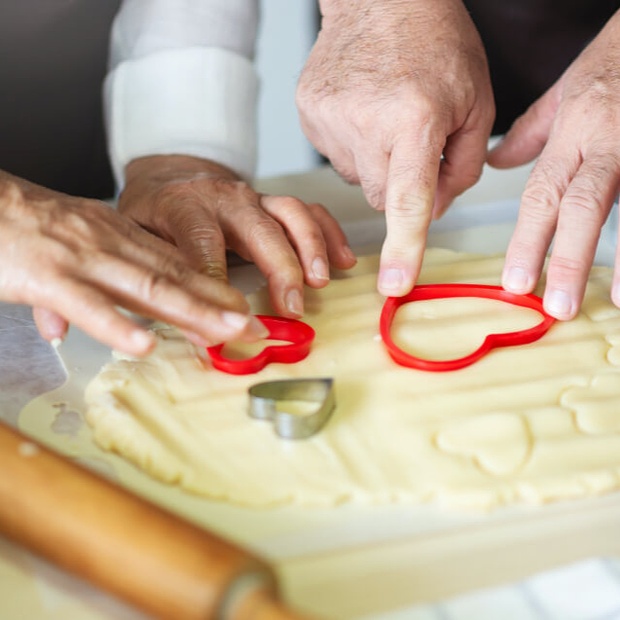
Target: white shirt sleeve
x,y
182,81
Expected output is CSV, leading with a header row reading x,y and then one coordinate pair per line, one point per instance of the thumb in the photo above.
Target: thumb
x,y
528,135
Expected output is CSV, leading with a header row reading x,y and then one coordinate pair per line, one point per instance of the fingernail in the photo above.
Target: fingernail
x,y
320,269
349,254
142,340
517,280
558,303
235,320
257,328
294,302
241,322
391,280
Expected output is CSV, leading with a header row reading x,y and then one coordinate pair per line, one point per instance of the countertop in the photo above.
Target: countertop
x,y
347,562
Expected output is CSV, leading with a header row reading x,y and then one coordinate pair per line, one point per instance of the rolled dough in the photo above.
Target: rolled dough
x,y
533,424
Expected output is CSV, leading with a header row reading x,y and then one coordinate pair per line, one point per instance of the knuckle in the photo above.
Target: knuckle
x,y
290,206
464,179
73,225
319,211
168,273
13,200
470,178
603,88
264,230
312,239
214,269
539,202
364,118
410,212
241,191
239,199
425,111
153,285
565,268
602,168
304,92
584,205
324,219
375,195
201,232
588,197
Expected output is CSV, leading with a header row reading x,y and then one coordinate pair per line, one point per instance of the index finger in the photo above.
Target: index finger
x,y
411,187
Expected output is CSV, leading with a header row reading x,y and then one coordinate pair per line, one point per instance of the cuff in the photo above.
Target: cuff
x,y
191,101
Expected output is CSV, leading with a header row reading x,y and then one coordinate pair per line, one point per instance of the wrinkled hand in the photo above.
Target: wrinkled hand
x,y
76,260
575,127
389,88
204,209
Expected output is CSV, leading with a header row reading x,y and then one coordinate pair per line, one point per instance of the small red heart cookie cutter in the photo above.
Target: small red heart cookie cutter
x,y
299,334
438,291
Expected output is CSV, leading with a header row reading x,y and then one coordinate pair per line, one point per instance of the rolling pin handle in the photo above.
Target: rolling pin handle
x,y
121,543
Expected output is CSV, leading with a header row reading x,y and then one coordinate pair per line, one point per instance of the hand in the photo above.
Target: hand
x,y
575,128
389,88
77,260
204,208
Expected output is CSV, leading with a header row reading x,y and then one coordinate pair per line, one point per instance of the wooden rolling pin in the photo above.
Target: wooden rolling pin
x,y
156,561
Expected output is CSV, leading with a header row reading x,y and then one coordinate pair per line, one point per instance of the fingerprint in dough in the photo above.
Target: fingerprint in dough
x,y
498,443
597,405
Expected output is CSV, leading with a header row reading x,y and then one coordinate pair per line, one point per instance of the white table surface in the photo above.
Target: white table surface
x,y
347,562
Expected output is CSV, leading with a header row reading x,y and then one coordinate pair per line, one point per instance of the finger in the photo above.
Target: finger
x,y
127,236
152,258
51,325
135,244
537,220
583,211
95,313
527,137
262,240
200,240
339,252
304,233
372,171
461,166
169,294
412,181
315,234
209,308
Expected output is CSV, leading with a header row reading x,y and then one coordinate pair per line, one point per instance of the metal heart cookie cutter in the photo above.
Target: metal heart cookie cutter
x,y
300,336
438,291
319,393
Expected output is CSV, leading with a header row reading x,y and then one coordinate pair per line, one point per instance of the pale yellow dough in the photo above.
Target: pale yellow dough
x,y
534,423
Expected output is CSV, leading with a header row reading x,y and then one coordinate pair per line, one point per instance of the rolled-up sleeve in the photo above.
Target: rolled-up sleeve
x,y
182,81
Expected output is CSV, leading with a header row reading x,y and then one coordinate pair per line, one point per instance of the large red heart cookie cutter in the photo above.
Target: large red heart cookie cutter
x,y
439,291
299,334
